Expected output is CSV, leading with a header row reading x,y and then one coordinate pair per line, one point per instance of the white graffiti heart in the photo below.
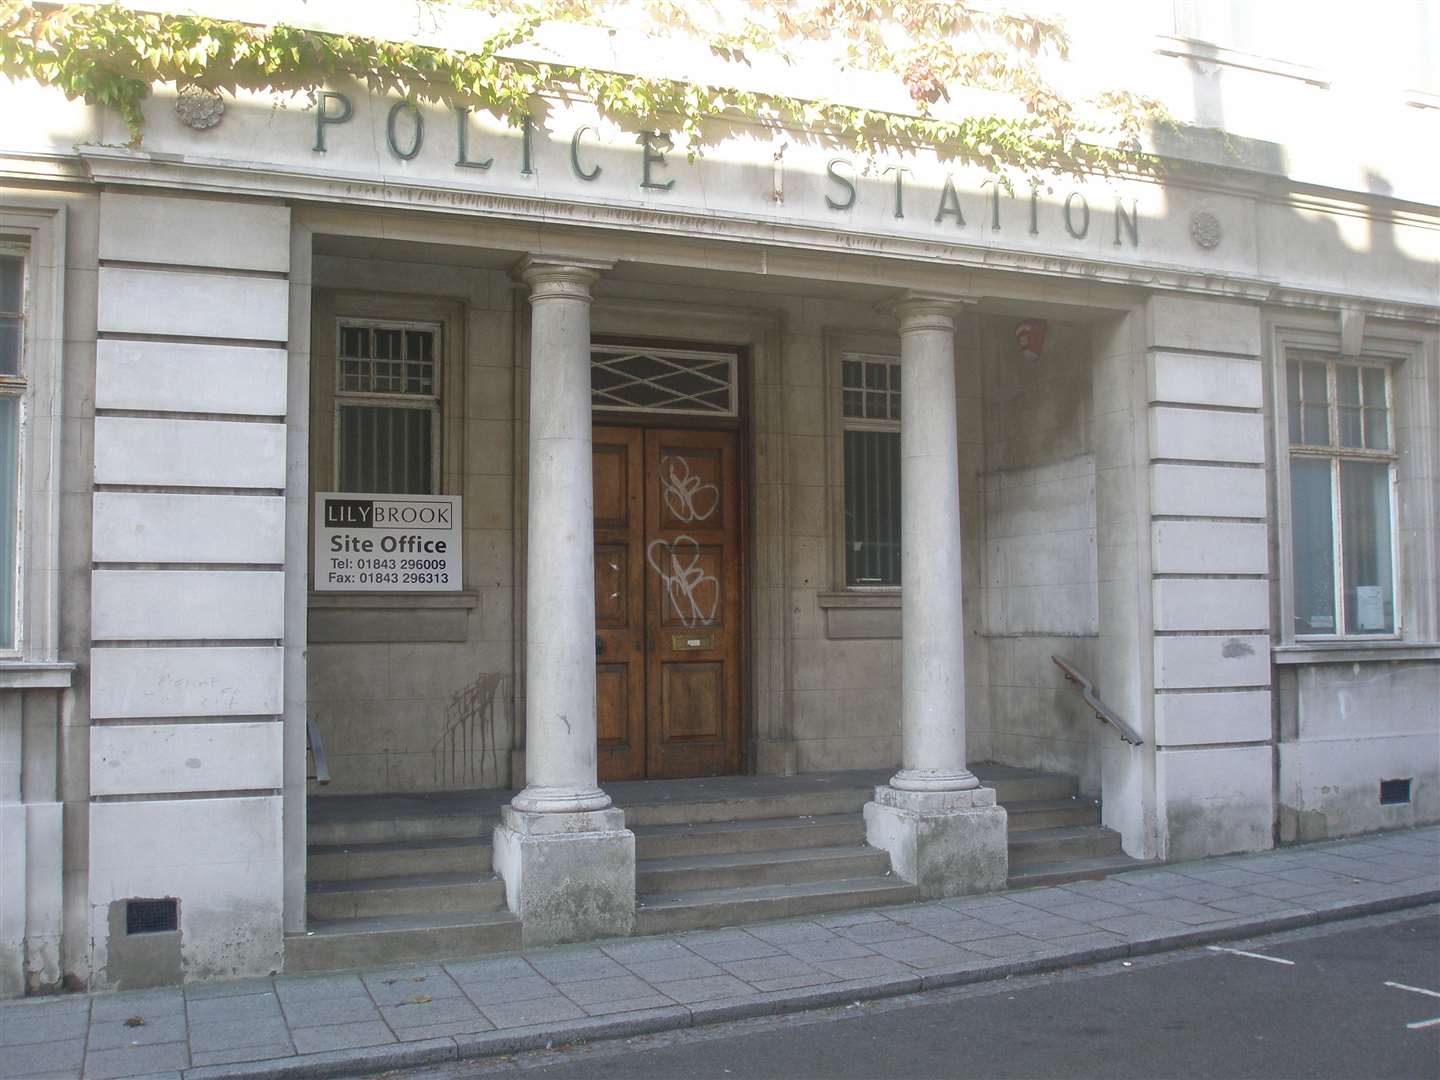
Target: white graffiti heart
x,y
686,582
686,493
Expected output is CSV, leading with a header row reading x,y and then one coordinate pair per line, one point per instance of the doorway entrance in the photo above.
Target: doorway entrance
x,y
667,602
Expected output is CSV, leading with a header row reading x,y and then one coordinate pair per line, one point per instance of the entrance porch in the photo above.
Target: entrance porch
x,y
409,876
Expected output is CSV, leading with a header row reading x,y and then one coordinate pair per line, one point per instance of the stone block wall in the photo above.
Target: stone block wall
x,y
187,593
1184,647
1210,565
1345,728
1039,589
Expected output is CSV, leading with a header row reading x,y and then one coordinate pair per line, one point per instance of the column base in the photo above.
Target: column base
x,y
569,877
946,843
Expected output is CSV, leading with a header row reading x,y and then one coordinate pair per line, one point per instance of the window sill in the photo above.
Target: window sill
x,y
390,618
1205,52
328,601
35,674
860,599
861,616
1345,652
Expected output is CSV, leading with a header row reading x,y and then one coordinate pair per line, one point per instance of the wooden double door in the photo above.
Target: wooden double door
x,y
668,609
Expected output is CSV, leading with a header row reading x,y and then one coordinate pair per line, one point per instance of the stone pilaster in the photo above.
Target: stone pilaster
x,y
567,860
944,831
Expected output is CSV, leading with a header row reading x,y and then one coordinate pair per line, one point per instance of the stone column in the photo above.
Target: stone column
x,y
567,860
943,830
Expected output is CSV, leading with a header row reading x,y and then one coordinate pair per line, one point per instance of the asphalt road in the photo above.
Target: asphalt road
x,y
1199,1013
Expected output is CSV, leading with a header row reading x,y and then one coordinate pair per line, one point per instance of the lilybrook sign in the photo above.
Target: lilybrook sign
x,y
945,205
387,543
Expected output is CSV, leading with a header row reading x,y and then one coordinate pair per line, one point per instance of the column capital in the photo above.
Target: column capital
x,y
925,311
552,276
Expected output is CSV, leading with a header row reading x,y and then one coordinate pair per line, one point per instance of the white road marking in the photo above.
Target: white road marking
x,y
1414,989
1418,1025
1252,955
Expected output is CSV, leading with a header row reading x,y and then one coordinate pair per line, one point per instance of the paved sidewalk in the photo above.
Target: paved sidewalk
x,y
365,1021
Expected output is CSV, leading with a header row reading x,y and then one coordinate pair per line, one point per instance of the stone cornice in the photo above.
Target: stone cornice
x,y
112,165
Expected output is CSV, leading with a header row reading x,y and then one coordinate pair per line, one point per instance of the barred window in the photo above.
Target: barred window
x,y
387,407
1342,472
870,419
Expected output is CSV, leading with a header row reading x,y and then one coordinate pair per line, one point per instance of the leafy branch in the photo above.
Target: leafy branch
x,y
113,56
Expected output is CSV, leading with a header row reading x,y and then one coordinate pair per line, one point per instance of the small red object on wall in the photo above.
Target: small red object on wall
x,y
1030,335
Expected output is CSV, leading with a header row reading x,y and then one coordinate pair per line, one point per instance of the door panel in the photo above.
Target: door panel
x,y
692,603
619,474
667,602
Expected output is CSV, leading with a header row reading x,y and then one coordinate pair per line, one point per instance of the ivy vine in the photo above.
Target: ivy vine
x,y
113,56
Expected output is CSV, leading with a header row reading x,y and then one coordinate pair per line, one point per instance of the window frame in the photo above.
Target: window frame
x,y
1334,454
1412,353
17,387
330,306
872,350
432,402
37,224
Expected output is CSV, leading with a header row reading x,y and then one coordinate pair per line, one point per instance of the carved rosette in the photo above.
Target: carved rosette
x,y
198,107
1205,229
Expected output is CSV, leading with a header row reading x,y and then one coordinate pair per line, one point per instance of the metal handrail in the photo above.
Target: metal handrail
x,y
1103,712
317,752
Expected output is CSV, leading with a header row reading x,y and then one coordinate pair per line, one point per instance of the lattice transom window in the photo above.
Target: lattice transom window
x,y
663,380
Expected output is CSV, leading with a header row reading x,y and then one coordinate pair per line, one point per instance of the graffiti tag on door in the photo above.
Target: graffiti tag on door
x,y
687,496
692,594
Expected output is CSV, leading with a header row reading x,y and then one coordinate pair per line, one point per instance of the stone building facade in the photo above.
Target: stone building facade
x,y
1184,433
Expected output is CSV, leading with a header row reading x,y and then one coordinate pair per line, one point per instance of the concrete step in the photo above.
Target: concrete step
x,y
398,858
1062,844
744,869
729,837
1032,787
392,939
848,796
795,805
1037,875
663,913
415,895
380,830
842,800
1052,814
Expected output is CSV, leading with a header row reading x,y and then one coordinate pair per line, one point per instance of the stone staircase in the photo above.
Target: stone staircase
x,y
399,878
394,878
